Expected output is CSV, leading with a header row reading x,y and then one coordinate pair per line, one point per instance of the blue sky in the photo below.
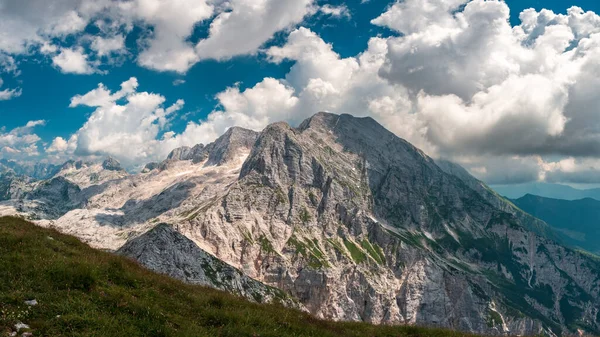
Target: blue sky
x,y
45,85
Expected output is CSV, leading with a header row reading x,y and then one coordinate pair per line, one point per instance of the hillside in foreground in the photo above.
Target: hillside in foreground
x,y
86,292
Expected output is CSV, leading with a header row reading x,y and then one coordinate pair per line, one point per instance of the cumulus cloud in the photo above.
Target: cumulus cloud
x,y
485,87
8,64
58,145
106,46
73,61
572,170
172,22
125,124
457,80
247,24
20,142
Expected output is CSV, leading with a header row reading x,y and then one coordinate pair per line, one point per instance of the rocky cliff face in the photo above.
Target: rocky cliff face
x,y
357,224
167,251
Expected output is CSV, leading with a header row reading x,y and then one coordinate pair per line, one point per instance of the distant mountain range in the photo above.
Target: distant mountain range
x,y
547,190
36,171
577,220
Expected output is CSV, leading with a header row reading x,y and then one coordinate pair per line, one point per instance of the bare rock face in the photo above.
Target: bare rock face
x,y
37,171
180,153
50,199
112,164
226,148
165,250
149,167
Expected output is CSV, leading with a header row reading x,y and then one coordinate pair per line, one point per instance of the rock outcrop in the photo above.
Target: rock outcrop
x,y
167,251
112,164
235,142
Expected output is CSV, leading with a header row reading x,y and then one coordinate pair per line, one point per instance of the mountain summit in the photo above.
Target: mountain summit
x,y
356,224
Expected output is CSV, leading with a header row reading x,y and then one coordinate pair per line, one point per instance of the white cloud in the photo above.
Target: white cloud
x,y
172,22
73,61
8,94
572,170
59,144
8,64
460,82
335,11
122,117
20,142
247,24
106,46
457,80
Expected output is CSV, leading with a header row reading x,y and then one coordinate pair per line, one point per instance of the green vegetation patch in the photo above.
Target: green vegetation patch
x,y
311,251
358,256
374,251
266,245
493,318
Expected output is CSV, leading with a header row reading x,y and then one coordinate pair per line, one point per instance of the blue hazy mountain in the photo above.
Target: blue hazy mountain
x,y
547,190
577,220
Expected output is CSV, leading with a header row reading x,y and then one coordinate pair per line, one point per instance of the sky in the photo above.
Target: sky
x,y
508,89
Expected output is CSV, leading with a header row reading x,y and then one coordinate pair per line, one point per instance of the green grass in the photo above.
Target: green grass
x,y
86,292
357,255
374,250
310,251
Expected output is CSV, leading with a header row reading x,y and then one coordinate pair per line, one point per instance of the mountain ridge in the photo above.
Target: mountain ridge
x,y
578,220
357,224
547,190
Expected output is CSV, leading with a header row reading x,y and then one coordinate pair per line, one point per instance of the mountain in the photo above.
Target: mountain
x,y
86,174
81,291
38,171
577,220
547,190
62,192
356,224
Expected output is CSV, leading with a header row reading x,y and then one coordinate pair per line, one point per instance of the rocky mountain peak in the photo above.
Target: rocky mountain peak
x,y
149,167
180,153
228,146
112,164
224,149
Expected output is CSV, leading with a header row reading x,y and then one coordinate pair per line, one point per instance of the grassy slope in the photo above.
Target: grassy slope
x,y
86,292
